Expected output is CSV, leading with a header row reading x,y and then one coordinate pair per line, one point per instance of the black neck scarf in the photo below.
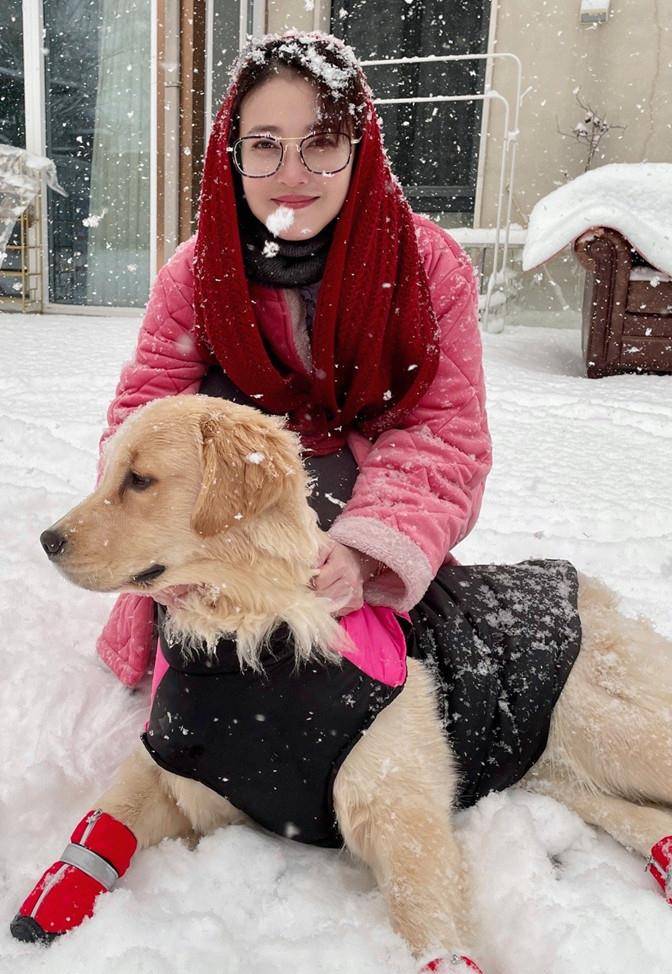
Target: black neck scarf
x,y
281,263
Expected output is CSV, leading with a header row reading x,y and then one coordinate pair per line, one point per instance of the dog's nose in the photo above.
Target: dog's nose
x,y
52,542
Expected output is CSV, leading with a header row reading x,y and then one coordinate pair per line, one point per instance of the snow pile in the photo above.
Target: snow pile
x,y
633,198
20,180
582,471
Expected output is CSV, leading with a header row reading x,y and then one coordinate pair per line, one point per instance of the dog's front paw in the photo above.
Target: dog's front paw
x,y
451,964
660,866
99,852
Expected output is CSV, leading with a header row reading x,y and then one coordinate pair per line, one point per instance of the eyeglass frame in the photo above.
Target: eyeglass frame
x,y
296,138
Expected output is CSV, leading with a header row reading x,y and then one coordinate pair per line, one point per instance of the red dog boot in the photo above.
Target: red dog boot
x,y
99,852
444,965
660,866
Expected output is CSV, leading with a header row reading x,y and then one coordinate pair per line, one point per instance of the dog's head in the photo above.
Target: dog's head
x,y
189,482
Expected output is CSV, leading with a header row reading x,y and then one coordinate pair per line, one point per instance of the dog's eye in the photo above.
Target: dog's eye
x,y
137,482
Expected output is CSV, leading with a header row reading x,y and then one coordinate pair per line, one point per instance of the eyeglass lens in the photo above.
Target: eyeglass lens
x,y
324,152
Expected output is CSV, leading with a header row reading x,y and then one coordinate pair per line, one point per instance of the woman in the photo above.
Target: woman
x,y
311,289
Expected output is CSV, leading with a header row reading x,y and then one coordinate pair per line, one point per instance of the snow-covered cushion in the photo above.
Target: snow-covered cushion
x,y
633,198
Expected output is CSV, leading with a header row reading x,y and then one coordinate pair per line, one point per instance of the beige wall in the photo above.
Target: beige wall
x,y
623,69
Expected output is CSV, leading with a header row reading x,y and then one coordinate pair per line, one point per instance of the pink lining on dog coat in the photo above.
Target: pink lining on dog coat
x,y
375,631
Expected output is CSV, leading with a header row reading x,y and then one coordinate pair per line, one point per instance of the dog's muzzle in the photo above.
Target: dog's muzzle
x,y
144,578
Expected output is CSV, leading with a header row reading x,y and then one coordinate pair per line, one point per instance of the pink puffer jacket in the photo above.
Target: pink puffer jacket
x,y
419,488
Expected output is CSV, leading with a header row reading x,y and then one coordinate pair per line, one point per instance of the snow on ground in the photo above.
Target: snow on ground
x,y
582,470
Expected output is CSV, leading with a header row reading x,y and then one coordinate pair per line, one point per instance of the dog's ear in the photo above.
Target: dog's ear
x,y
245,469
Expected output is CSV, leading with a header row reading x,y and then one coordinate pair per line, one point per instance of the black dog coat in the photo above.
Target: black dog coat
x,y
499,640
270,742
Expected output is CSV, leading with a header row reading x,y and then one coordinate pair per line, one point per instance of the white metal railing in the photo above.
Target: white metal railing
x,y
509,145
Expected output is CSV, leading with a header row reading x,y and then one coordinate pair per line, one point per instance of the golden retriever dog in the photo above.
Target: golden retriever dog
x,y
208,499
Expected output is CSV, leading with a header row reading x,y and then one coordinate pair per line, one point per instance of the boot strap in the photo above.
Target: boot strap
x,y
90,863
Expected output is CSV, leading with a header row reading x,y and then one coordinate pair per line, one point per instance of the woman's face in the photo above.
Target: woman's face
x,y
286,106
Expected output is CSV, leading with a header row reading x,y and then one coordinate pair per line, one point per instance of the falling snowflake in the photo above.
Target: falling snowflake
x,y
279,220
93,219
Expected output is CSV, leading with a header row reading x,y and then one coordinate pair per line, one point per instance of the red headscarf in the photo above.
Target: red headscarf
x,y
375,336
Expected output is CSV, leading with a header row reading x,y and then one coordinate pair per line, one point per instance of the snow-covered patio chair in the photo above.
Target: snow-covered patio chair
x,y
20,184
627,307
619,218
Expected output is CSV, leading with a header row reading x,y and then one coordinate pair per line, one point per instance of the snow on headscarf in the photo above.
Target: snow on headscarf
x,y
375,335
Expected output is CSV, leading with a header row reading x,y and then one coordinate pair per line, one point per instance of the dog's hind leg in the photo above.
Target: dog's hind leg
x,y
645,828
612,727
392,798
609,751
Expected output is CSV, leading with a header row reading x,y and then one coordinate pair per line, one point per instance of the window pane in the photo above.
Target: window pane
x,y
225,32
12,115
97,71
433,147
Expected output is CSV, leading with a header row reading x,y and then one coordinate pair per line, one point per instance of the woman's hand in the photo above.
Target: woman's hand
x,y
341,574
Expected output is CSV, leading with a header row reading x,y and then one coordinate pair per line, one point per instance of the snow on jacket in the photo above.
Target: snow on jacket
x,y
419,488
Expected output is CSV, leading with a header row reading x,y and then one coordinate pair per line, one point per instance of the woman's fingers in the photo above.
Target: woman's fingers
x,y
329,573
340,579
344,595
325,548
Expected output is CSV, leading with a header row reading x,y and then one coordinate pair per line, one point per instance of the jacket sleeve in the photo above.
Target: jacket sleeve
x,y
167,360
419,488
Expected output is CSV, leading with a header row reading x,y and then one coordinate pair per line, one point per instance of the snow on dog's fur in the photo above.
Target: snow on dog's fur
x,y
203,504
216,494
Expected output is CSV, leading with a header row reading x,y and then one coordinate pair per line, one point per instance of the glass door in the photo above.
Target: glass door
x,y
225,40
230,22
97,62
12,120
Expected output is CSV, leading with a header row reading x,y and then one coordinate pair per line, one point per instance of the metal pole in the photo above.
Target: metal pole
x,y
509,144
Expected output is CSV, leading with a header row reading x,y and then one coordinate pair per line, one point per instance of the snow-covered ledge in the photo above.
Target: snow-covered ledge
x,y
486,236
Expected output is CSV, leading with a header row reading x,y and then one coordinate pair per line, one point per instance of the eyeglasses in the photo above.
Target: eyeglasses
x,y
322,153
